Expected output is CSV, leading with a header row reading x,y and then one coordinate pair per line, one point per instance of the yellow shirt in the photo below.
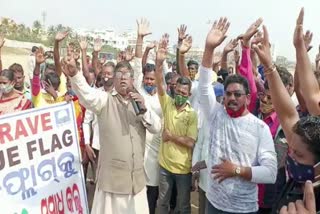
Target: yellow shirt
x,y
173,157
42,98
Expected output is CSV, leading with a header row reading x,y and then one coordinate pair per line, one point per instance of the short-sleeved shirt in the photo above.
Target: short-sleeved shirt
x,y
173,157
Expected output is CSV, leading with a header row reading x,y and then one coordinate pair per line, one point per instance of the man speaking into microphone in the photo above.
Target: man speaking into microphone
x,y
121,186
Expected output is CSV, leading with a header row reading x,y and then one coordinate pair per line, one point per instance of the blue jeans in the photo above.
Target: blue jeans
x,y
212,210
183,183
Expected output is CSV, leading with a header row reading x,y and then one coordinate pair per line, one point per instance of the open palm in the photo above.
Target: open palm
x,y
230,46
143,27
61,36
217,34
162,51
83,43
185,45
97,45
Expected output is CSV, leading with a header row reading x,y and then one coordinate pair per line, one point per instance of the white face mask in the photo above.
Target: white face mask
x,y
6,88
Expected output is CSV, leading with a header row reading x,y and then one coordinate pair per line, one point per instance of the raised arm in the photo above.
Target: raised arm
x,y
245,68
180,59
318,60
149,47
215,37
1,45
35,82
227,49
85,69
160,57
97,46
90,98
183,49
143,30
310,89
56,54
281,100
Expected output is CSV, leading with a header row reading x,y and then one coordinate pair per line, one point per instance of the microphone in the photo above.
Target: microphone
x,y
136,105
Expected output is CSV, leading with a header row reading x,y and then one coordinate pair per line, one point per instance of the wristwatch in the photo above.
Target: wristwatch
x,y
237,170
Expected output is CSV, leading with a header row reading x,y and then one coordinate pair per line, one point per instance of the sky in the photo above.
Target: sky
x,y
166,15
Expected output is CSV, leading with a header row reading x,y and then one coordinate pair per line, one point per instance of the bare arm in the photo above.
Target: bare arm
x,y
183,49
97,46
227,49
183,141
310,89
85,68
160,57
56,54
297,90
281,100
146,53
143,30
1,45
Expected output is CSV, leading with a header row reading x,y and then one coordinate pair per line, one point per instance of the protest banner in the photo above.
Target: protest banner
x,y
40,163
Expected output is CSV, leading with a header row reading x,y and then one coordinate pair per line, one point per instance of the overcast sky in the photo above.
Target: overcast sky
x,y
165,15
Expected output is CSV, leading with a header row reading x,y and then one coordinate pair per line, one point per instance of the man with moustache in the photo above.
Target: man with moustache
x,y
19,77
241,150
121,185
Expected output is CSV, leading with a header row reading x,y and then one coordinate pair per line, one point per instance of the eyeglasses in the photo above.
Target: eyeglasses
x,y
119,74
237,94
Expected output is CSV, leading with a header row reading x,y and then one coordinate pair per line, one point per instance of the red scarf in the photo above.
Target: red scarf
x,y
235,114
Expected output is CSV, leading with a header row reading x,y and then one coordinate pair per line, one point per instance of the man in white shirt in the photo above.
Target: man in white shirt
x,y
241,150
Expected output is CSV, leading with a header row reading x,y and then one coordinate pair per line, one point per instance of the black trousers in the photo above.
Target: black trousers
x,y
152,195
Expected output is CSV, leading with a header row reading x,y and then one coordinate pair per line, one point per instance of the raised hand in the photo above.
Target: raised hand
x,y
61,36
182,33
230,46
185,45
39,55
252,30
2,41
83,43
129,55
217,34
298,37
70,67
49,89
257,38
162,50
307,38
165,37
263,50
97,45
143,27
152,45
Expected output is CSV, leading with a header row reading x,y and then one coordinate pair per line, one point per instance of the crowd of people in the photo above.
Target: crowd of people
x,y
154,131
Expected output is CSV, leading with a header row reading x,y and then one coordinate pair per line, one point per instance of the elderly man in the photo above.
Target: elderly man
x,y
121,186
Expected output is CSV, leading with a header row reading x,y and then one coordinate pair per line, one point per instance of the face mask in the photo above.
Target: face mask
x,y
71,92
235,114
108,82
5,89
149,88
266,108
180,100
300,172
